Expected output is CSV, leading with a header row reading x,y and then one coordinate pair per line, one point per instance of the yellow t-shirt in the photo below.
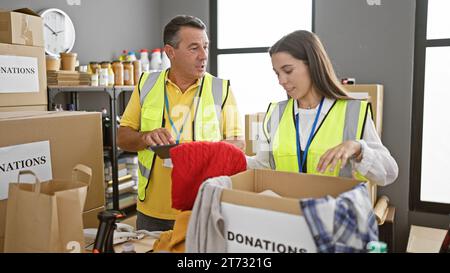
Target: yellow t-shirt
x,y
158,193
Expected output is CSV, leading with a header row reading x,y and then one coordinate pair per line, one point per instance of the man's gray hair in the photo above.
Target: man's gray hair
x,y
171,29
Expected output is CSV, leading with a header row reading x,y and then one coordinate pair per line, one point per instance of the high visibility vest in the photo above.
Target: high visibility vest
x,y
344,121
212,95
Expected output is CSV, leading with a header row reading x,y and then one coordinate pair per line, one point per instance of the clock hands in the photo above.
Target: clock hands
x,y
50,29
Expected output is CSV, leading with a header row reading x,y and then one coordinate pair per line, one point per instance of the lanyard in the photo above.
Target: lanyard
x,y
301,161
166,100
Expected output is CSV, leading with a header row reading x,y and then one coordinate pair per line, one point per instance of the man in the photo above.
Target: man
x,y
181,104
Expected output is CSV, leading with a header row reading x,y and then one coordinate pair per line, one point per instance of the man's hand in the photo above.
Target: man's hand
x,y
160,136
344,151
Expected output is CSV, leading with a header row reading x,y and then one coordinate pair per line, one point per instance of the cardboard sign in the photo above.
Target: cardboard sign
x,y
19,74
248,231
31,156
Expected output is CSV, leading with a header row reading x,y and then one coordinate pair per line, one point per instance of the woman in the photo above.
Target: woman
x,y
320,129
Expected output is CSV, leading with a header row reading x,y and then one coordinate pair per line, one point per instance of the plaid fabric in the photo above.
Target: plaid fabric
x,y
345,224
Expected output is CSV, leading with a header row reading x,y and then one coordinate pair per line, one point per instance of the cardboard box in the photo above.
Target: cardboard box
x,y
2,223
21,27
74,137
425,239
254,132
42,107
23,78
90,219
276,221
374,94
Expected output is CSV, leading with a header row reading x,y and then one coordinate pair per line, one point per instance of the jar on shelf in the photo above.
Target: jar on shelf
x,y
107,65
103,76
128,73
94,78
94,67
117,67
137,71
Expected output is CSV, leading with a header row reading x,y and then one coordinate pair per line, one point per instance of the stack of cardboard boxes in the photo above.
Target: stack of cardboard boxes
x,y
23,84
65,139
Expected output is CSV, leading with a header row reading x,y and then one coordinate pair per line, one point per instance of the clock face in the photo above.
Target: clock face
x,y
59,32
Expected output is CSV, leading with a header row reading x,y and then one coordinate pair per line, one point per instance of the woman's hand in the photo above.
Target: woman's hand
x,y
344,151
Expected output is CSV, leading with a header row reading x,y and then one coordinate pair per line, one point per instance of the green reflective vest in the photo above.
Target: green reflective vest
x,y
212,95
344,121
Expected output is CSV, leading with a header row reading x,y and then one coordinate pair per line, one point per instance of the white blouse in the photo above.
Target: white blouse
x,y
377,163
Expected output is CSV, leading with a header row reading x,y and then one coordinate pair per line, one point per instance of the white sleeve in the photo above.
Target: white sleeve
x,y
261,159
377,163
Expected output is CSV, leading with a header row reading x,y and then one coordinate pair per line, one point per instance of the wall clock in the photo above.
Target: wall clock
x,y
59,31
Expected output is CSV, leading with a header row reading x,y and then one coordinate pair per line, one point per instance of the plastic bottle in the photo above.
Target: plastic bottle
x,y
155,62
145,62
376,247
128,247
123,57
137,71
131,56
165,62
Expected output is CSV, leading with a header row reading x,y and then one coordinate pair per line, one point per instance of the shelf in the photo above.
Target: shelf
x,y
111,152
127,201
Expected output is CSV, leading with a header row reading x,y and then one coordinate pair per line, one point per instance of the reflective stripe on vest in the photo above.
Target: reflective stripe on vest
x,y
344,121
206,123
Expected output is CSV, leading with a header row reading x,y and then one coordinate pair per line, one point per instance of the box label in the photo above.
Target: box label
x,y
259,230
31,156
18,74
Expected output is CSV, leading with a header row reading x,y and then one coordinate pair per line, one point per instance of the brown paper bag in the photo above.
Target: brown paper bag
x,y
47,216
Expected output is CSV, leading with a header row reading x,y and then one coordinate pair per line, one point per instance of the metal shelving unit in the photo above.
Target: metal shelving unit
x,y
113,93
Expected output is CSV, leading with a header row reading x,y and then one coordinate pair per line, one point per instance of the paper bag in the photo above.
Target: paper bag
x,y
47,216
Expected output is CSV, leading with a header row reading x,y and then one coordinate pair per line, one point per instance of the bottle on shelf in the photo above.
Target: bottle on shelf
x,y
165,62
94,78
155,62
145,62
110,73
131,56
117,67
137,71
123,56
93,67
128,73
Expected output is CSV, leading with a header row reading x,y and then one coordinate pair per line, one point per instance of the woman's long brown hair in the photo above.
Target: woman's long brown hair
x,y
306,46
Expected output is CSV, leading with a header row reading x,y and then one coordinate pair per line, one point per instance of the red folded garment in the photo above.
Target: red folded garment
x,y
194,162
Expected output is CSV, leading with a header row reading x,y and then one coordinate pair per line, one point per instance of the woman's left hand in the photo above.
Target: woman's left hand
x,y
343,152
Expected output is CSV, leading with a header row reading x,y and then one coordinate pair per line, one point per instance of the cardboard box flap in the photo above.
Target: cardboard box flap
x,y
255,200
22,114
305,185
22,27
41,114
27,11
291,186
